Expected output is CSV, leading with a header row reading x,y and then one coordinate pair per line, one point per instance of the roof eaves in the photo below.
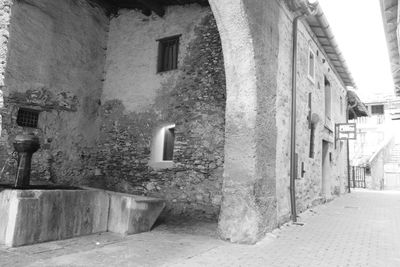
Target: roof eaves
x,y
389,9
320,27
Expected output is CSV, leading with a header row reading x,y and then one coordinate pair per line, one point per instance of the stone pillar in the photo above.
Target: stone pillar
x,y
249,36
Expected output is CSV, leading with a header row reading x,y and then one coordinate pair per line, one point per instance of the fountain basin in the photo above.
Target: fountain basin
x,y
36,215
32,215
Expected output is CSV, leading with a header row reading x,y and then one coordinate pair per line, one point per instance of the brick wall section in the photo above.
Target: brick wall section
x,y
194,99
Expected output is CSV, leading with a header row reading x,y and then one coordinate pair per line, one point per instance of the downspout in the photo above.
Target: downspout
x,y
305,9
348,109
348,152
293,213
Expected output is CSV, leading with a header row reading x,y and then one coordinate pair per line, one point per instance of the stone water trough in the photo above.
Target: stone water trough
x,y
32,214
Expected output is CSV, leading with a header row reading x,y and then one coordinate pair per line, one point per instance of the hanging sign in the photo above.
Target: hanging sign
x,y
346,131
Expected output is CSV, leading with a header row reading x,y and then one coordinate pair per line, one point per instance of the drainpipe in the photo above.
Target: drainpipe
x,y
347,143
306,8
293,123
348,153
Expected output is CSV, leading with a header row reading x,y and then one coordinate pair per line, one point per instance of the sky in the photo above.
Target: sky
x,y
358,28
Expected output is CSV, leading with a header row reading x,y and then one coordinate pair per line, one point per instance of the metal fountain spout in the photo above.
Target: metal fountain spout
x,y
25,145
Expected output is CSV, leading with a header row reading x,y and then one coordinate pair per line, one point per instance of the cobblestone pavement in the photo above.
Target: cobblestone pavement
x,y
359,229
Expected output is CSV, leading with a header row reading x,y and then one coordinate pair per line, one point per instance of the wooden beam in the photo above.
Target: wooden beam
x,y
154,6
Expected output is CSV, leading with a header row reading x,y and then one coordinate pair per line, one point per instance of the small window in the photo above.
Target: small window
x,y
311,65
328,103
168,53
377,110
341,106
27,118
169,140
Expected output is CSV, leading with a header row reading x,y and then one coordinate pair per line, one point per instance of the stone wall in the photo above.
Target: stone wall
x,y
5,15
309,186
137,101
56,55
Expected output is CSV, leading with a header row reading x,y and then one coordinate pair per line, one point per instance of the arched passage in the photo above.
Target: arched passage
x,y
249,201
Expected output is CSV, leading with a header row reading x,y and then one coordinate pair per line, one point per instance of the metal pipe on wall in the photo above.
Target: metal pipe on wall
x,y
293,123
306,8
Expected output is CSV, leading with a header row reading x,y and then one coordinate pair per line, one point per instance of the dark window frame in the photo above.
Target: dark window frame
x,y
168,51
27,117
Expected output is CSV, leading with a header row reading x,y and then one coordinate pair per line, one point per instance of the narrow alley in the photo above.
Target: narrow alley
x,y
358,229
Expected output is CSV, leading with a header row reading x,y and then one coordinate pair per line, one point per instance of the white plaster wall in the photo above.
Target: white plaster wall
x,y
308,188
131,64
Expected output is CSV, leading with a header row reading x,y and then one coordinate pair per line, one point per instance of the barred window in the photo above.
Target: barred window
x,y
27,117
168,53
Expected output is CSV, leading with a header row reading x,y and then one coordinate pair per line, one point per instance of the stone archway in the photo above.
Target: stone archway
x,y
248,209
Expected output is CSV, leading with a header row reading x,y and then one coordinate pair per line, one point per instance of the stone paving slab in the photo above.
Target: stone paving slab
x,y
359,229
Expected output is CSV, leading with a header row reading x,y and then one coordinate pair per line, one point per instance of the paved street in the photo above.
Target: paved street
x,y
360,229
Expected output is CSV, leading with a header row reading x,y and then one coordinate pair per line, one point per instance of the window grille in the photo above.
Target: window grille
x,y
27,118
168,53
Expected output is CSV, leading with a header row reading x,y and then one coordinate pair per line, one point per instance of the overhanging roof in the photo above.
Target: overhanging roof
x,y
356,107
389,9
320,26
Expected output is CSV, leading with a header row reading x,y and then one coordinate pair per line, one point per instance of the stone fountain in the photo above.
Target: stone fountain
x,y
25,145
32,214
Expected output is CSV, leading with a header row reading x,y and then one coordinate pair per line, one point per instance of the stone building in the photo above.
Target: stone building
x,y
188,100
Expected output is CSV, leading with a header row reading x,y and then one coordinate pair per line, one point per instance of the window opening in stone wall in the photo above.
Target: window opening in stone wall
x,y
341,106
327,100
27,118
169,140
168,53
311,65
377,110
